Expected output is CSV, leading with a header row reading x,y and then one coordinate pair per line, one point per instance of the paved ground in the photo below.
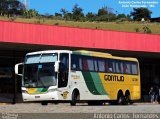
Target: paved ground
x,y
80,108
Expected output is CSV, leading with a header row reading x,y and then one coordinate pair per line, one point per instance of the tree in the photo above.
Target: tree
x,y
121,16
102,11
15,7
90,16
68,16
128,17
64,11
77,13
11,7
65,14
3,7
139,13
58,15
32,13
106,14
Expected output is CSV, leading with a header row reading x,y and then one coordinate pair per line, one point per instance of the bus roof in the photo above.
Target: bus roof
x,y
84,52
49,52
91,53
103,55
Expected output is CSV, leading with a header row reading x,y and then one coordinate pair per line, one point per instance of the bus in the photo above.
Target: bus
x,y
79,76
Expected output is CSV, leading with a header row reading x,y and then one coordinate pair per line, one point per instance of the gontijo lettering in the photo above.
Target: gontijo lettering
x,y
113,78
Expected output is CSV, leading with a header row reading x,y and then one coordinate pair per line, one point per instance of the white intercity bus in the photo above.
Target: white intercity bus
x,y
76,76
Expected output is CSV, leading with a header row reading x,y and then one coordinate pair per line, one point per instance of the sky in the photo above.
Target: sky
x,y
118,6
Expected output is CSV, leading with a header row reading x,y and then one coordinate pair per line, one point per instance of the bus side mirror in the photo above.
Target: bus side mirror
x,y
17,67
56,66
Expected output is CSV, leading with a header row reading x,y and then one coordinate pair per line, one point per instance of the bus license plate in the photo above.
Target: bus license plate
x,y
37,97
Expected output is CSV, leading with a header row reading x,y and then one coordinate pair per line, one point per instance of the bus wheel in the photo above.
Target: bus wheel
x,y
75,96
121,99
44,103
127,98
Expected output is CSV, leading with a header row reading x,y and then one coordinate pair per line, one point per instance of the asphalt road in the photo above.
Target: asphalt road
x,y
81,110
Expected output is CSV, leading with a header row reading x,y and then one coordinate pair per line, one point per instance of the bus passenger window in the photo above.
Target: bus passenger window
x,y
95,65
101,65
134,69
122,68
127,68
90,64
117,67
75,62
110,66
106,67
85,65
64,59
80,63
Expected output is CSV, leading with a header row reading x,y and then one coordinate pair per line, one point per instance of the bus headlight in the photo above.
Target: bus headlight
x,y
52,90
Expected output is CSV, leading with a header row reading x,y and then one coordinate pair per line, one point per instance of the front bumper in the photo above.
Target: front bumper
x,y
40,97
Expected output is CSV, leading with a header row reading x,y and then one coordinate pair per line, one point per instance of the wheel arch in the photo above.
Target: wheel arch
x,y
120,92
127,92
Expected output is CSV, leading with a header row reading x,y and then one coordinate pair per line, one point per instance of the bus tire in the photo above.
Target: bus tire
x,y
44,103
128,98
121,99
75,95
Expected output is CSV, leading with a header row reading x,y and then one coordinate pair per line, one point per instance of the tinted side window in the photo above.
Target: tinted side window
x,y
63,70
114,65
75,62
101,65
64,59
117,67
109,66
85,64
122,68
80,63
90,64
95,65
127,68
134,68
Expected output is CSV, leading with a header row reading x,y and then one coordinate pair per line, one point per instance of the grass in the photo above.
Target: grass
x,y
117,26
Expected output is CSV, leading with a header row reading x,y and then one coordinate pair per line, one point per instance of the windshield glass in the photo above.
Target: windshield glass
x,y
39,75
39,71
31,59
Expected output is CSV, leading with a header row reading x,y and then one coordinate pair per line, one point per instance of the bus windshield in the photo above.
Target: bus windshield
x,y
39,75
39,71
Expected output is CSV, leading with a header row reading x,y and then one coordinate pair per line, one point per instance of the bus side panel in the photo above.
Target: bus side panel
x,y
89,85
116,82
136,88
96,86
